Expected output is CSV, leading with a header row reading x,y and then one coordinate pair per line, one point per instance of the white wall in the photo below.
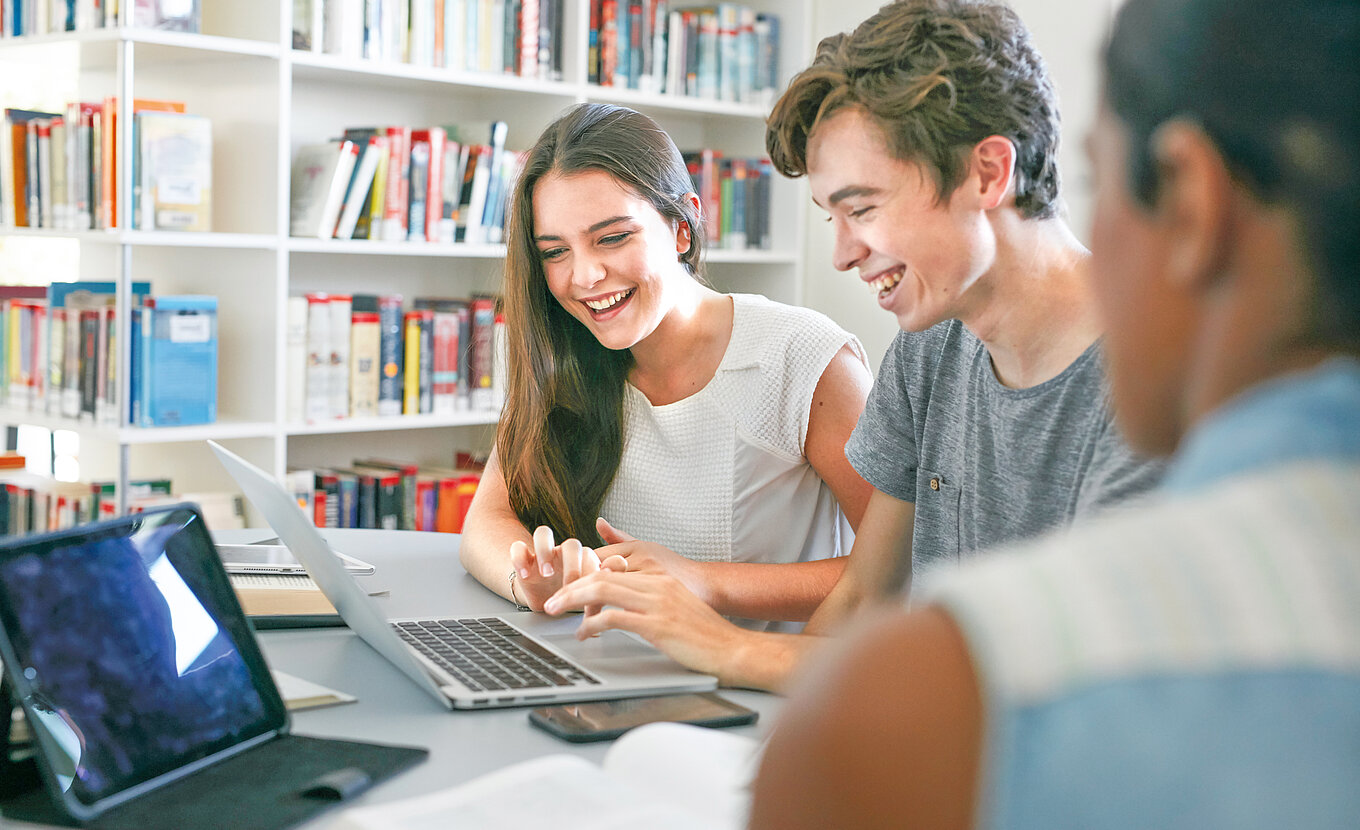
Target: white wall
x,y
1068,34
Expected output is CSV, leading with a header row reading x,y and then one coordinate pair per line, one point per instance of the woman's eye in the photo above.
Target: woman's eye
x,y
552,253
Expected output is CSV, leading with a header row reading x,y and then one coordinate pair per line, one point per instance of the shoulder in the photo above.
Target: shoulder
x,y
769,333
847,753
1124,594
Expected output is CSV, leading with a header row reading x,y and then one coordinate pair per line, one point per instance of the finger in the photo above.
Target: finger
x,y
522,559
590,563
570,553
611,534
603,588
543,549
614,563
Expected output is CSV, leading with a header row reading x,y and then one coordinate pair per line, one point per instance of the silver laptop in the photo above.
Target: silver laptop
x,y
482,662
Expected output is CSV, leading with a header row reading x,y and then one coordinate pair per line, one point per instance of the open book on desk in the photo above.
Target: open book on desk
x,y
663,776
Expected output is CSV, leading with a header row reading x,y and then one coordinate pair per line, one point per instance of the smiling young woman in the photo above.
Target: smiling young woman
x,y
712,424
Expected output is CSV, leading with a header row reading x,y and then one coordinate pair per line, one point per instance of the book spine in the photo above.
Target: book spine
x,y
390,355
410,402
318,396
483,321
425,388
295,355
398,185
364,347
339,330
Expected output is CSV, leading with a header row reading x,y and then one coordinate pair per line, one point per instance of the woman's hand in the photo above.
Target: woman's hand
x,y
652,558
547,566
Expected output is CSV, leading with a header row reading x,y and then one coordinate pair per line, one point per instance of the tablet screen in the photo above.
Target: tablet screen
x,y
129,652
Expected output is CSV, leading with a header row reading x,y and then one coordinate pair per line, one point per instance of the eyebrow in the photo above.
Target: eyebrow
x,y
848,192
603,223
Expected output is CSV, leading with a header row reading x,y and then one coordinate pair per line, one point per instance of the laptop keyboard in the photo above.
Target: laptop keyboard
x,y
488,654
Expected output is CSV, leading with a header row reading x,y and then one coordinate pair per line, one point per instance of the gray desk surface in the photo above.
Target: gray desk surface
x,y
423,574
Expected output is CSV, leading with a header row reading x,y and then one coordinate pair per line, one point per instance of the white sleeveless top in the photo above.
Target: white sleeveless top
x,y
721,476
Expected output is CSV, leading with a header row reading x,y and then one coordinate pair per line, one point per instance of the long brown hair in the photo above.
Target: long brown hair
x,y
560,438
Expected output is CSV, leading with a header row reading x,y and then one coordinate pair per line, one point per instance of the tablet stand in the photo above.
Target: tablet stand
x,y
16,777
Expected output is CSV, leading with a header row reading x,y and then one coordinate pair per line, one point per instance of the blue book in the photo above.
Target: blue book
x,y
178,361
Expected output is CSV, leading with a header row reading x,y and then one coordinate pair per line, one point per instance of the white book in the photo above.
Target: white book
x,y
340,308
663,776
481,180
422,32
344,28
675,57
455,19
317,406
320,175
295,353
357,199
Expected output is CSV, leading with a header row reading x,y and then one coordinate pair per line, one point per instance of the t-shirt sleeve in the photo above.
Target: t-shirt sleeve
x,y
882,449
1116,473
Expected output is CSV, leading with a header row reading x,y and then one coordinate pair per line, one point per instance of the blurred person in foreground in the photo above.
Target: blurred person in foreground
x,y
1194,663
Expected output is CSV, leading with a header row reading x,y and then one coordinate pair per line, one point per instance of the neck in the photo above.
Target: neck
x,y
682,354
1033,308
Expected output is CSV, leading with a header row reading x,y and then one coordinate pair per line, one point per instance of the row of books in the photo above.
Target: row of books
x,y
365,355
516,37
32,503
734,194
396,184
57,170
58,354
724,52
30,17
391,495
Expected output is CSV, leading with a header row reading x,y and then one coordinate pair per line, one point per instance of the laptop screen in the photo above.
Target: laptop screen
x,y
129,652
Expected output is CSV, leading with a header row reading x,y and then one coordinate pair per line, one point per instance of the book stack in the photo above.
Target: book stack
x,y
37,17
734,194
367,355
57,168
58,354
32,503
523,37
398,184
724,52
391,495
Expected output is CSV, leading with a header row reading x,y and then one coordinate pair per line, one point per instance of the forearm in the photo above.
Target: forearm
x,y
770,591
764,660
485,551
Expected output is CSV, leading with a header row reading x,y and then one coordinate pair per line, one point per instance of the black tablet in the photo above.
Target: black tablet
x,y
130,656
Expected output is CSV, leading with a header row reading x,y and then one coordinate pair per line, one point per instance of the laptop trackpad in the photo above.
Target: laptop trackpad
x,y
611,645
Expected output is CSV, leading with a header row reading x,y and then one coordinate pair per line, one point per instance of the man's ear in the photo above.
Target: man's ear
x,y
993,163
1194,203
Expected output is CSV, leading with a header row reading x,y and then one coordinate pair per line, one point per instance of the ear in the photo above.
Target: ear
x,y
993,165
684,235
1194,203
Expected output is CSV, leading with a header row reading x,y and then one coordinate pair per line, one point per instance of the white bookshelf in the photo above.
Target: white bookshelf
x,y
265,100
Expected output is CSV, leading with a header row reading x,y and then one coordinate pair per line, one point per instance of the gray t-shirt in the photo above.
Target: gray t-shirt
x,y
986,464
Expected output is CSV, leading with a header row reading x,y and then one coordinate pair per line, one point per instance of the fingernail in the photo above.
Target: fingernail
x,y
547,569
523,573
551,606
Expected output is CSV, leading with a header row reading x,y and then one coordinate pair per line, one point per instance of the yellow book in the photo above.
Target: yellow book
x,y
410,397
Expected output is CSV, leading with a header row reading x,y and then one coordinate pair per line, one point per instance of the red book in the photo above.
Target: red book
x,y
398,184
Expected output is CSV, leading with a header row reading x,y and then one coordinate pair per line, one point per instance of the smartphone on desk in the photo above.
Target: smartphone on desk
x,y
601,720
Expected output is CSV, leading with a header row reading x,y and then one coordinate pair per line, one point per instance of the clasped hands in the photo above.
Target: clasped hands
x,y
629,584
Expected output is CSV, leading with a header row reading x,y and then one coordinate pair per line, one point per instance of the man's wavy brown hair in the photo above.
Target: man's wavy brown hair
x,y
937,77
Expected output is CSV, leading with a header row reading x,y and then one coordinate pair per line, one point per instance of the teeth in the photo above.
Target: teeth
x,y
887,282
605,303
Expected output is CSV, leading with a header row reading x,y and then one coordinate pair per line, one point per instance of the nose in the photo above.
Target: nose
x,y
848,251
587,271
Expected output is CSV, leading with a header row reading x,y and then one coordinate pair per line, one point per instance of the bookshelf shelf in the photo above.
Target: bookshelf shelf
x,y
266,100
421,249
401,422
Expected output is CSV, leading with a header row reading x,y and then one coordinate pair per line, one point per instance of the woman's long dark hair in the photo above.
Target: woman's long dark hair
x,y
561,433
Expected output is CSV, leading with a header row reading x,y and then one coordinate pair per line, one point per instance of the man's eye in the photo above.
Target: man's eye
x,y
615,238
856,214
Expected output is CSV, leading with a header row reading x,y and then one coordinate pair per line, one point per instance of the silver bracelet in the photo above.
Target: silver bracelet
x,y
519,606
